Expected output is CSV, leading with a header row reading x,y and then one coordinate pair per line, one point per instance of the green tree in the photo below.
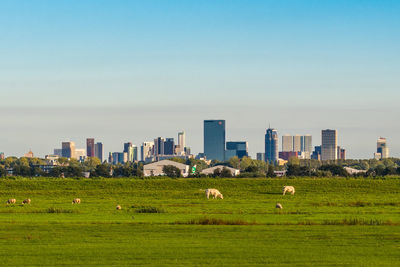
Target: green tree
x,y
234,162
172,171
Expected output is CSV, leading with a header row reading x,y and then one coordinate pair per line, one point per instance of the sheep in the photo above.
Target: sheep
x,y
26,201
278,206
289,189
76,201
11,201
118,207
214,192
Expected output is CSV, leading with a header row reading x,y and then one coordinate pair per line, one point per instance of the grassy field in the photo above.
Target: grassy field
x,y
328,222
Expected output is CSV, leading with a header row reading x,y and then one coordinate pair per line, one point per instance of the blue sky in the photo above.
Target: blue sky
x,y
134,70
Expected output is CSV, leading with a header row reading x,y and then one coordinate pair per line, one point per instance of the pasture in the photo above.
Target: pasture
x,y
328,222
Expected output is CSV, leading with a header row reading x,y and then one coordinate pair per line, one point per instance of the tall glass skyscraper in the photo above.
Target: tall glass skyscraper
x,y
271,145
214,139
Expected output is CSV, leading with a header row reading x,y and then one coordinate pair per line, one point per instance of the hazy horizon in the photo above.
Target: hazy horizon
x,y
123,71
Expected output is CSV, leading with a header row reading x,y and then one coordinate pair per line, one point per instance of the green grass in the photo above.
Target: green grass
x,y
328,222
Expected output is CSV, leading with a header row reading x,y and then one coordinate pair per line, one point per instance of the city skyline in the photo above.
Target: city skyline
x,y
123,71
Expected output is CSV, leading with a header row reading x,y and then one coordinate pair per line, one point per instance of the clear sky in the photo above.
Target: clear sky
x,y
134,70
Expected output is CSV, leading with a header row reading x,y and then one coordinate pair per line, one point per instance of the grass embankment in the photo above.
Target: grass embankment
x,y
169,221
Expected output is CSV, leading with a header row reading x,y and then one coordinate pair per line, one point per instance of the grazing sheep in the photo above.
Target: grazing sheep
x,y
11,201
214,192
26,201
118,207
278,206
289,189
76,201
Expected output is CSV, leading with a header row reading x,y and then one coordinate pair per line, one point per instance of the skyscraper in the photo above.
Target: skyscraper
x,y
297,143
146,150
90,147
287,143
128,148
180,148
329,145
169,146
271,145
214,139
98,151
306,145
68,150
382,148
159,146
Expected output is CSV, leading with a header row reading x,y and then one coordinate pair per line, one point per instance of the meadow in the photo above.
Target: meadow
x,y
163,221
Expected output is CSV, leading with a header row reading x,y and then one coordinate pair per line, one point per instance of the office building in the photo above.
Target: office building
x,y
329,145
57,151
128,148
67,150
382,148
341,152
239,149
287,143
306,143
271,145
214,139
297,143
260,156
159,146
90,147
98,151
180,147
317,153
169,146
146,150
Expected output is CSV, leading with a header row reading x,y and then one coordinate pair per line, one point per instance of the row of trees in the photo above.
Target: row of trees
x,y
248,167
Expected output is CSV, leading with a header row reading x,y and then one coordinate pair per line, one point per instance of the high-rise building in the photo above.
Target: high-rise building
x,y
317,153
98,151
329,145
287,143
240,149
180,148
306,143
146,150
297,143
90,147
382,148
341,153
159,146
169,147
214,139
135,153
271,145
128,148
68,150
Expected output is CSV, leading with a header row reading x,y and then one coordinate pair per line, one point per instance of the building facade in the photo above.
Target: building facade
x,y
329,145
287,143
90,147
381,148
214,139
146,150
98,151
239,149
271,145
68,150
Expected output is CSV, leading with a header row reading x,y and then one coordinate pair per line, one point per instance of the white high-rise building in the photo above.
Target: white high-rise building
x,y
287,143
382,148
180,148
147,150
297,143
306,145
329,145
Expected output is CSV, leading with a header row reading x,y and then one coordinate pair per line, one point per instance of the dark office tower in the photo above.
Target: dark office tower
x,y
68,150
90,147
214,139
271,145
169,146
239,149
98,151
159,146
